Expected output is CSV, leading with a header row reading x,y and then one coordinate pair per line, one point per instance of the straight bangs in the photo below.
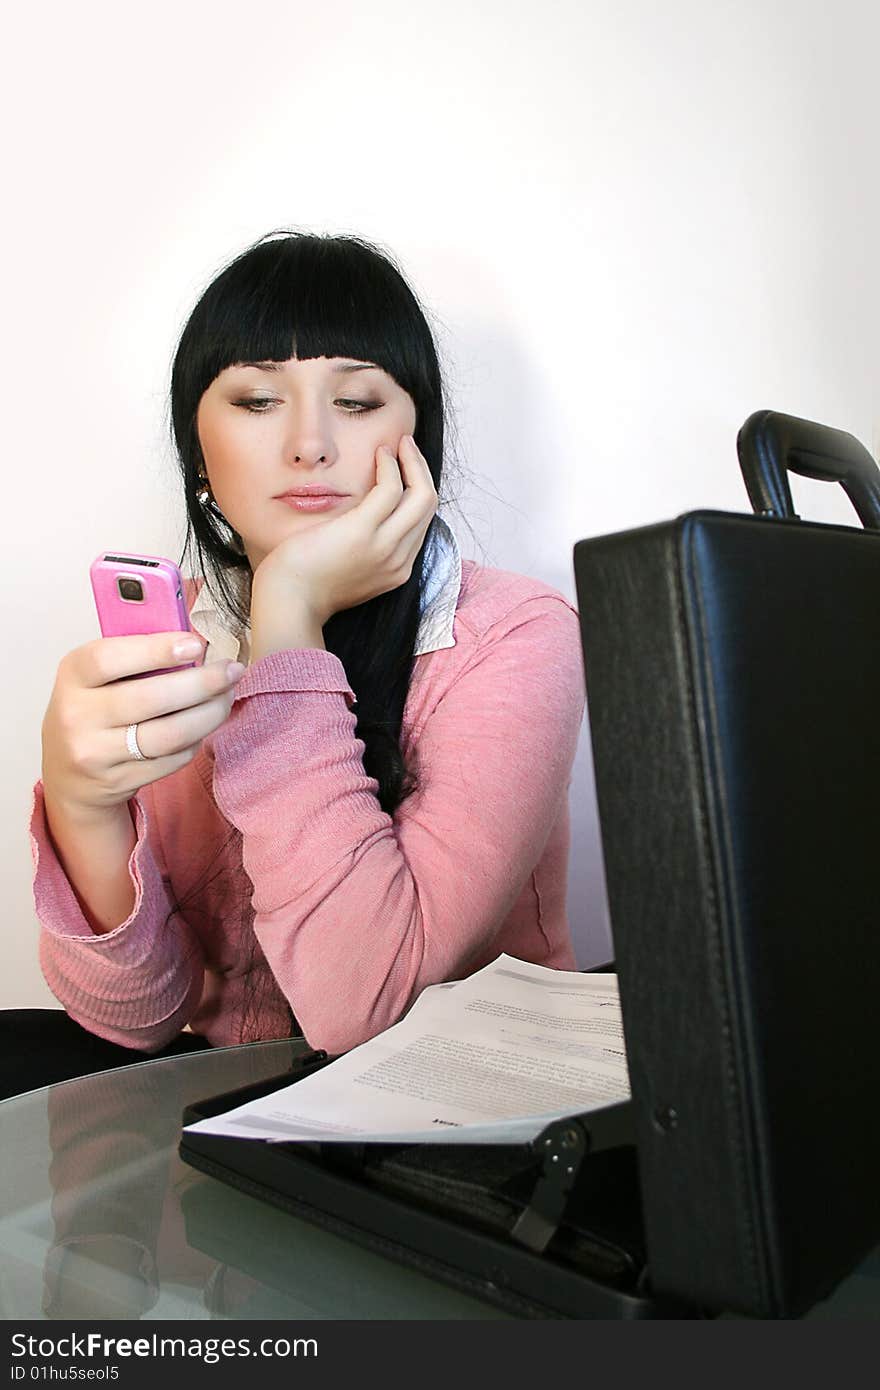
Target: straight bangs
x,y
307,296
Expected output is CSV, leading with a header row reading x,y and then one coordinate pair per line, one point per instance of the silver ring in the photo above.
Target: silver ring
x,y
132,744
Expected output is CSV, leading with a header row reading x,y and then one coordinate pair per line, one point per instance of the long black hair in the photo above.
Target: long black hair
x,y
305,295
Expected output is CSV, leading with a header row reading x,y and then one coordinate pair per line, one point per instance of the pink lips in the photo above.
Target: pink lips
x,y
312,490
311,502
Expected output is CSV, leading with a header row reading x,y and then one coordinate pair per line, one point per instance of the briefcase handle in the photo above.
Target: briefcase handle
x,y
770,443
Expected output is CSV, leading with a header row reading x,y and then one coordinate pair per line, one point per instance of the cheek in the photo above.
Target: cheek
x,y
211,436
208,436
407,416
226,447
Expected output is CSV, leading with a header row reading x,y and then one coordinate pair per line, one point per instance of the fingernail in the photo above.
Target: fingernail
x,y
190,646
235,670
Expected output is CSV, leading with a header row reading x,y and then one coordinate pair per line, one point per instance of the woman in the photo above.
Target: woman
x,y
379,801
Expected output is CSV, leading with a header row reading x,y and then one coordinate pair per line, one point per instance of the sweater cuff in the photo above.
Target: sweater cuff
x,y
57,906
300,669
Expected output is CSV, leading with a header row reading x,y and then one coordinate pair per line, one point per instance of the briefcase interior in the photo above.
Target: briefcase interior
x,y
451,1212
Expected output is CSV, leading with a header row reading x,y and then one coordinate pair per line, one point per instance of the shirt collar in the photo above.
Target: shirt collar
x,y
439,600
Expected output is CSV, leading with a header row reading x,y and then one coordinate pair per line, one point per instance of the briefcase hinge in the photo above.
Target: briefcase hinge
x,y
563,1146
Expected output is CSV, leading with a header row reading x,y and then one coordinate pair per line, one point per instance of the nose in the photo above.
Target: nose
x,y
310,442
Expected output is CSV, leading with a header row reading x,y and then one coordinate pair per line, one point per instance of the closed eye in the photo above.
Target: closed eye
x,y
353,407
259,405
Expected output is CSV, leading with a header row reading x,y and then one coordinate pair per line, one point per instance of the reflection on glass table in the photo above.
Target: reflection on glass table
x,y
100,1219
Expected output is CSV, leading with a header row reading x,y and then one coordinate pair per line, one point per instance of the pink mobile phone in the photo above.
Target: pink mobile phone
x,y
136,594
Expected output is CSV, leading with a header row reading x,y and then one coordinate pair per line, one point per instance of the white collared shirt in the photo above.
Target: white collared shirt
x,y
438,605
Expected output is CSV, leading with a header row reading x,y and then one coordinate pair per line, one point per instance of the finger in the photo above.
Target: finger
x,y
386,492
155,696
110,659
155,768
419,501
170,735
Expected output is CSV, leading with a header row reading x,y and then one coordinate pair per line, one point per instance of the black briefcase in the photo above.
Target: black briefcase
x,y
733,679
733,668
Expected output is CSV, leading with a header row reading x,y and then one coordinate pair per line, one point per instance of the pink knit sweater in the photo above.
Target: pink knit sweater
x,y
269,859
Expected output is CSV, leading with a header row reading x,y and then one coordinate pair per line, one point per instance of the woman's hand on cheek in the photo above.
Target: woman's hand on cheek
x,y
369,550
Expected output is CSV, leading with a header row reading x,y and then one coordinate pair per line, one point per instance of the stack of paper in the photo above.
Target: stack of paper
x,y
489,1059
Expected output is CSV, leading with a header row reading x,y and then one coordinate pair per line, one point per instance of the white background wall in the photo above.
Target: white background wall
x,y
635,223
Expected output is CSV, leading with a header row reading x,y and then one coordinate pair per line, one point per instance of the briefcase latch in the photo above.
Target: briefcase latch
x,y
563,1146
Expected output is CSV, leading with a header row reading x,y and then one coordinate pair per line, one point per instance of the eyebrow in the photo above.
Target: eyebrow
x,y
339,369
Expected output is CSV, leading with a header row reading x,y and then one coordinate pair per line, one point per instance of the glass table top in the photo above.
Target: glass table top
x,y
100,1219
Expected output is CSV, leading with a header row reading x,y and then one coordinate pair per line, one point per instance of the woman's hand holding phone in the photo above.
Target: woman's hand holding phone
x,y
87,768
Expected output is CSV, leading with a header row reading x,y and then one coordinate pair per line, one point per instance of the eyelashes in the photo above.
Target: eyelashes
x,y
260,405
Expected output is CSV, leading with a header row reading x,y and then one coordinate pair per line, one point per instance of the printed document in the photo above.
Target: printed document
x,y
490,1059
